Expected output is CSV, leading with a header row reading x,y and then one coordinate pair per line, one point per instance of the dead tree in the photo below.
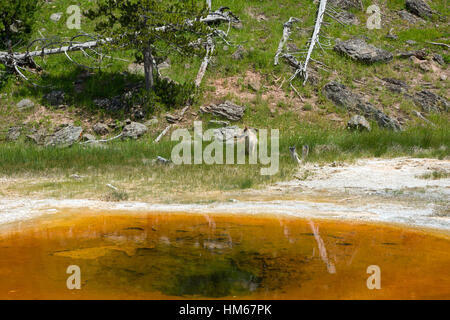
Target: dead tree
x,y
21,62
301,66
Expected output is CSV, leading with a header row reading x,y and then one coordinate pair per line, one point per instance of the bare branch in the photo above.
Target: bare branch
x,y
286,34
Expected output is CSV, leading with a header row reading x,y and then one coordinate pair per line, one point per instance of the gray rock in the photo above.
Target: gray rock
x,y
358,123
345,4
439,59
227,133
419,54
348,18
100,128
25,104
88,137
397,86
343,97
66,136
358,49
227,109
134,130
38,136
56,16
55,98
410,18
239,53
420,8
13,133
410,42
431,102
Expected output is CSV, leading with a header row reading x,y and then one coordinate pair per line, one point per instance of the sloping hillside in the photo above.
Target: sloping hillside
x,y
396,76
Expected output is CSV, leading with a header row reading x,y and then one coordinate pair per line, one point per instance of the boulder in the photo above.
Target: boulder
x,y
66,136
25,104
358,123
134,130
343,97
227,109
431,102
55,97
358,49
100,129
13,133
420,8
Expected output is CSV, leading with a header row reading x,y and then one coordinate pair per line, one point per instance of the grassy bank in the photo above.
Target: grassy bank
x,y
128,164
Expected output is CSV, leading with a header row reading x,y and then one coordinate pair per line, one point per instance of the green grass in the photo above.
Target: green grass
x,y
436,175
127,165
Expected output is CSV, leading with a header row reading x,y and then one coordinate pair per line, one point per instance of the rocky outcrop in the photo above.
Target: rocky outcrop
x,y
227,109
431,102
134,130
100,129
358,49
343,97
420,8
358,123
66,136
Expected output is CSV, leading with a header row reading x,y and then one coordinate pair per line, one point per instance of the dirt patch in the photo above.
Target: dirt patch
x,y
248,87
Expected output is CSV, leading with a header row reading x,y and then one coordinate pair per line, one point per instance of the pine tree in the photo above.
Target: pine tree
x,y
16,21
151,27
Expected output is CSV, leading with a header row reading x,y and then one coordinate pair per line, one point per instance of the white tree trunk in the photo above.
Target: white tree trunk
x,y
285,38
314,38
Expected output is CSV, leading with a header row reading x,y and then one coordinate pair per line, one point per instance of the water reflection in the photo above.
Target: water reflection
x,y
196,256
